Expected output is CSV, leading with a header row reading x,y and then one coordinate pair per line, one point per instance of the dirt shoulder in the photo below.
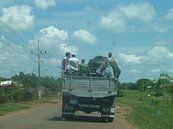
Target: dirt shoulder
x,y
121,115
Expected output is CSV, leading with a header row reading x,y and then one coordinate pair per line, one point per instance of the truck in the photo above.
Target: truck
x,y
89,94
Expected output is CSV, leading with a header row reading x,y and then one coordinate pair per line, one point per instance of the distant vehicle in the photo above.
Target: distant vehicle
x,y
89,94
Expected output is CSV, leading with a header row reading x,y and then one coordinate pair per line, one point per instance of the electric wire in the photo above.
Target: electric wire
x,y
15,34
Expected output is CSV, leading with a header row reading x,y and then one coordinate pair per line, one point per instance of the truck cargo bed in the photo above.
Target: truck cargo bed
x,y
89,86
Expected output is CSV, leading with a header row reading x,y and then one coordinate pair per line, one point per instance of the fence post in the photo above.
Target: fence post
x,y
90,82
70,83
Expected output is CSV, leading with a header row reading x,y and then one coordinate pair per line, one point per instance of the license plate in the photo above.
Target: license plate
x,y
73,102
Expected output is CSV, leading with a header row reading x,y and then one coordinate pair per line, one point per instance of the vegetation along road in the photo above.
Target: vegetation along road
x,y
48,116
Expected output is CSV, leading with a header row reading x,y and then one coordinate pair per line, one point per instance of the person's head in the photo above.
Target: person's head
x,y
83,61
110,54
67,54
73,55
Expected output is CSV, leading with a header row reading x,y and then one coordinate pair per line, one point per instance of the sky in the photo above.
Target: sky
x,y
139,33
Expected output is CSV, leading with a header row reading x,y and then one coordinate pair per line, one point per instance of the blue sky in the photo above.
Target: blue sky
x,y
138,32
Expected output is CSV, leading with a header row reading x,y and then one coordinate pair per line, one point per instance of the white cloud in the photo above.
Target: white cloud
x,y
159,51
169,15
49,38
113,21
134,71
159,55
52,40
53,61
141,11
129,58
160,27
19,18
84,36
148,64
122,15
67,48
44,4
156,71
54,32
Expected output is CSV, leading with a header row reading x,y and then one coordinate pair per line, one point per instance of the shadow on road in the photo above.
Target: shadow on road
x,y
78,119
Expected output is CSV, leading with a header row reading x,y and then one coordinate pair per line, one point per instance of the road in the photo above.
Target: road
x,y
48,116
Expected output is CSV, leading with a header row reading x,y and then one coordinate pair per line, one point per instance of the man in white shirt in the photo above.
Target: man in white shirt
x,y
113,64
73,65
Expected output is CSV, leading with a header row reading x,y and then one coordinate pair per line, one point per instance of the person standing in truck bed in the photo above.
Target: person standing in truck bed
x,y
65,62
114,65
73,65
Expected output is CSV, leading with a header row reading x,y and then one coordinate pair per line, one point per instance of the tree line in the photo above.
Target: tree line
x,y
164,84
25,87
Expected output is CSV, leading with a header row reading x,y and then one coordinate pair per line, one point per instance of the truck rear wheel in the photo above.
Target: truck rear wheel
x,y
107,119
67,117
110,119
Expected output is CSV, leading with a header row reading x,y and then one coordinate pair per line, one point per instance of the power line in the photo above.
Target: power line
x,y
13,48
13,32
10,39
9,28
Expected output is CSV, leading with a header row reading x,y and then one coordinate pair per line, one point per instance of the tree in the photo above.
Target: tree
x,y
128,85
3,79
170,88
143,83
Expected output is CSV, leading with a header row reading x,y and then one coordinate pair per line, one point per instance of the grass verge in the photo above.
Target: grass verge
x,y
147,112
10,107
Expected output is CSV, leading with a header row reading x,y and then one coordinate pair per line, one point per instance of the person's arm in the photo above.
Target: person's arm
x,y
116,68
63,64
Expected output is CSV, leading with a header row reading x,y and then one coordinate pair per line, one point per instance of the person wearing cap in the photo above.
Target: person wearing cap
x,y
73,65
113,64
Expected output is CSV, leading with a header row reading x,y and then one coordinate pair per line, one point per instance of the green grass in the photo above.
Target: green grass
x,y
10,107
147,112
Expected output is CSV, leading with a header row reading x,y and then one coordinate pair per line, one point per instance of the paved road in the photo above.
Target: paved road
x,y
48,117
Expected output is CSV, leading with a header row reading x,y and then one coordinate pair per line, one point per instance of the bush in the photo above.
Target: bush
x,y
26,96
16,95
3,99
158,93
120,93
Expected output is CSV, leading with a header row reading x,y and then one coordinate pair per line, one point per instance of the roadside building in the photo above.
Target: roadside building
x,y
7,83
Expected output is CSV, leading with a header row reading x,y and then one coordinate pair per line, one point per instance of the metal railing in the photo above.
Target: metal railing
x,y
89,84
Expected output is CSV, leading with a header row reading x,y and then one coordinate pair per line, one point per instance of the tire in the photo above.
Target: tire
x,y
105,119
67,117
110,119
64,117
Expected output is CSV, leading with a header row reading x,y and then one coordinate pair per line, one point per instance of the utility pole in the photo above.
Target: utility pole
x,y
38,53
